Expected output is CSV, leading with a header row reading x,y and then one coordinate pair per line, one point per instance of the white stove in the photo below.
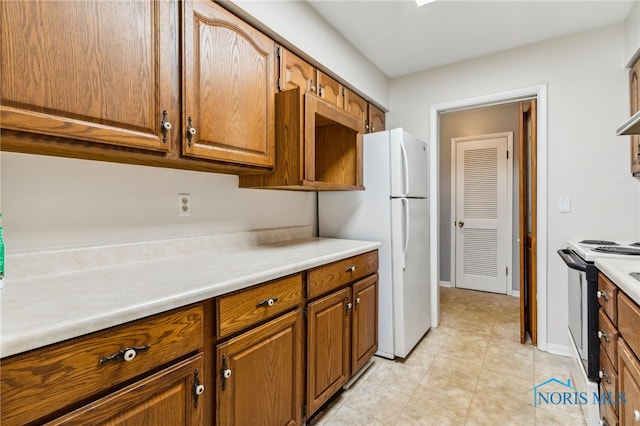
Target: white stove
x,y
590,250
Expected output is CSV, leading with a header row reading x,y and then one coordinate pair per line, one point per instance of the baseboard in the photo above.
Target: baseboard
x,y
445,283
556,349
515,293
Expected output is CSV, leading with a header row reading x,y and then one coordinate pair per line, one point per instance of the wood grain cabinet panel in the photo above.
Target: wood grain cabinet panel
x,y
629,322
256,304
229,87
608,297
264,379
83,367
328,347
358,107
608,335
87,70
629,384
326,278
330,90
364,322
169,397
296,73
377,122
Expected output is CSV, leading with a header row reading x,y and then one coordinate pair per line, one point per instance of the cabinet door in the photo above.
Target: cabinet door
x,y
365,322
356,106
295,72
229,87
376,119
90,70
634,91
169,397
328,347
261,373
330,90
628,384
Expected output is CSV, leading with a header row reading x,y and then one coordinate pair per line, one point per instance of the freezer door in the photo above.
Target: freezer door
x,y
411,282
409,165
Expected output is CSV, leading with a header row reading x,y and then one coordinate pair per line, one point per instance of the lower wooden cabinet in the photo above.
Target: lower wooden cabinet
x,y
260,378
169,397
365,322
328,346
342,335
629,384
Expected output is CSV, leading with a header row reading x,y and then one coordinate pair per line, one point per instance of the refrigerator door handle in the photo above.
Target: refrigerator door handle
x,y
407,220
405,162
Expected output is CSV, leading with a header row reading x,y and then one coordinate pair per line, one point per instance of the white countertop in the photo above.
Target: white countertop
x,y
618,271
48,309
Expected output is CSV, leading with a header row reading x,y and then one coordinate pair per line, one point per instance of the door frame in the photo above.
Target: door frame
x,y
454,141
513,95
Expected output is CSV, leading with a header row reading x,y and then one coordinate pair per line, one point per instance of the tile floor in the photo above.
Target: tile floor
x,y
471,370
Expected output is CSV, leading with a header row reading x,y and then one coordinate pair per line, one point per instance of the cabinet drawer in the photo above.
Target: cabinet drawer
x,y
334,275
608,377
608,336
629,322
607,297
253,305
46,380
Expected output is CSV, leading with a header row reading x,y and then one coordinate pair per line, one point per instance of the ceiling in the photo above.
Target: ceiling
x,y
401,38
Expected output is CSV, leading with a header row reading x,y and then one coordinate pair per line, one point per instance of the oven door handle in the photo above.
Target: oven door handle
x,y
572,260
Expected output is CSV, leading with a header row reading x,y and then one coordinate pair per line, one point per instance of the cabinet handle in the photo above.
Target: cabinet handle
x,y
267,302
225,372
602,295
603,375
358,300
603,422
166,126
636,415
198,388
601,334
190,130
351,268
126,354
310,86
320,91
347,305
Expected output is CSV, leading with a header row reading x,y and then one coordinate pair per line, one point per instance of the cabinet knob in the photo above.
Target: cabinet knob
x,y
199,389
127,354
603,422
226,373
601,334
358,300
636,415
130,354
603,375
267,302
351,268
602,295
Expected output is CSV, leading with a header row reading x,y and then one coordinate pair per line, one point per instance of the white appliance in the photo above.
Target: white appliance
x,y
393,209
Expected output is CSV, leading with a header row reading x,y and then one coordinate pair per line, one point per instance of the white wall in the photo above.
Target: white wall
x,y
48,201
587,100
632,35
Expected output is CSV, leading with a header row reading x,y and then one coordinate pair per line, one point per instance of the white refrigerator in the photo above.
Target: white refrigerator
x,y
393,209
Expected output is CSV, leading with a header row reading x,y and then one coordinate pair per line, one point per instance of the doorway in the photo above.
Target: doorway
x,y
516,95
482,179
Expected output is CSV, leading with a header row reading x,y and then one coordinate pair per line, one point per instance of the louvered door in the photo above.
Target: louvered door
x,y
481,227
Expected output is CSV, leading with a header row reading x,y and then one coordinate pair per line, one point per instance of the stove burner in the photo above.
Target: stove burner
x,y
635,244
599,242
627,251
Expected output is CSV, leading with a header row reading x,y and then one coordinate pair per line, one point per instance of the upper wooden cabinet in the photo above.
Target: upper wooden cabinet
x,y
357,106
634,91
295,72
330,90
88,70
229,87
376,119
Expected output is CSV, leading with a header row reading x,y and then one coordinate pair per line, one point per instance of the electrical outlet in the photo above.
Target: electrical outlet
x,y
184,204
